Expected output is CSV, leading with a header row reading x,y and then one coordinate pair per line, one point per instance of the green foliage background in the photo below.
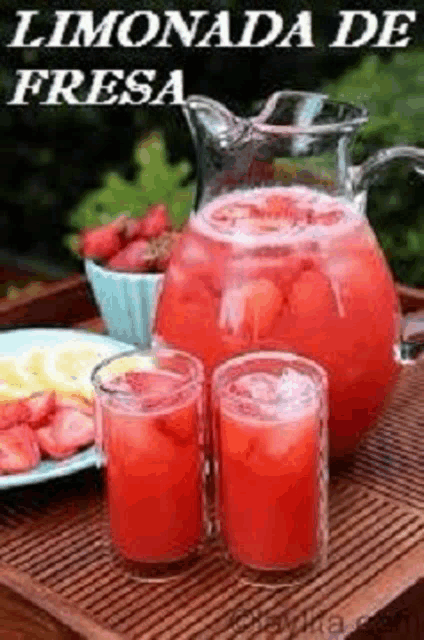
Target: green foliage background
x,y
66,167
393,92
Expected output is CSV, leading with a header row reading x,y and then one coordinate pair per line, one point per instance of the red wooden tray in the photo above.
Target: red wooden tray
x,y
52,551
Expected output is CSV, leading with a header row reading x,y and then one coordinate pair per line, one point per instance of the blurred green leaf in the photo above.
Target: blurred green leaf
x,y
156,180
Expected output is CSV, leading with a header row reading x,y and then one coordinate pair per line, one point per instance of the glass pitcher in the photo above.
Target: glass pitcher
x,y
279,254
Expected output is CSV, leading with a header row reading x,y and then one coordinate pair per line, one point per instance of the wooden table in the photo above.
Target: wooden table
x,y
391,602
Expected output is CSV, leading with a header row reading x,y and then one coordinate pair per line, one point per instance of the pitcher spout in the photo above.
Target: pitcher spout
x,y
292,137
212,123
225,148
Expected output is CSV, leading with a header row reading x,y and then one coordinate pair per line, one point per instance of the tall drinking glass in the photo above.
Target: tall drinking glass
x,y
150,431
270,427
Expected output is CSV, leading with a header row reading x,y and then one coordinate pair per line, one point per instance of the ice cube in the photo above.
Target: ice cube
x,y
257,386
138,441
296,390
263,386
232,311
256,395
251,308
293,444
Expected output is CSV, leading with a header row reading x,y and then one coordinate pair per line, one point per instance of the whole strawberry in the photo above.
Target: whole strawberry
x,y
101,243
133,245
154,223
134,258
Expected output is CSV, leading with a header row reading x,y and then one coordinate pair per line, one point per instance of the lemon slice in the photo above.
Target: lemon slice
x,y
9,392
131,363
12,384
31,367
69,365
9,374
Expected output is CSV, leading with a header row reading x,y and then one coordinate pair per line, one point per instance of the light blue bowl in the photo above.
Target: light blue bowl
x,y
127,302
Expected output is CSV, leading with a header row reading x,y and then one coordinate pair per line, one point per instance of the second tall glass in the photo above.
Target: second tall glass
x,y
271,467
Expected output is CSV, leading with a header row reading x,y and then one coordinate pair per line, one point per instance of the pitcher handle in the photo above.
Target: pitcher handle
x,y
362,175
412,343
412,346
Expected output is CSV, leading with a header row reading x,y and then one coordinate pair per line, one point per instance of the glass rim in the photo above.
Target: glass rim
x,y
288,356
198,374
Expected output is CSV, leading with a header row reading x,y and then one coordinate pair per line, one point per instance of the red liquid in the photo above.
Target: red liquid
x,y
268,488
154,476
310,279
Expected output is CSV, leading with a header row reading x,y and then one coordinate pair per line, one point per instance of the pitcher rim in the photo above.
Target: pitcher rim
x,y
360,113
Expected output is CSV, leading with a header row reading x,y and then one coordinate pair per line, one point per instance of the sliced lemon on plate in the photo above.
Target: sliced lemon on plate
x,y
12,384
9,373
31,367
9,392
69,365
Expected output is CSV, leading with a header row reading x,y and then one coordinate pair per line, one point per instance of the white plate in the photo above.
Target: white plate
x,y
16,342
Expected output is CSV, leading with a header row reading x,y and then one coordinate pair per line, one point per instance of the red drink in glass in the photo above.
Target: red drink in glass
x,y
152,439
270,428
295,269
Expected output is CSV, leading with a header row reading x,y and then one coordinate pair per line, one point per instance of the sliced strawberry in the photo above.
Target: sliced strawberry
x,y
262,303
158,393
76,401
148,382
283,206
134,258
139,381
42,406
311,297
251,308
69,430
14,413
101,243
155,222
47,441
134,229
179,425
74,428
18,450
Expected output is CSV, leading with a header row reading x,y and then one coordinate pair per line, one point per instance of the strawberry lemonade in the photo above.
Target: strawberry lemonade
x,y
270,428
295,269
149,409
